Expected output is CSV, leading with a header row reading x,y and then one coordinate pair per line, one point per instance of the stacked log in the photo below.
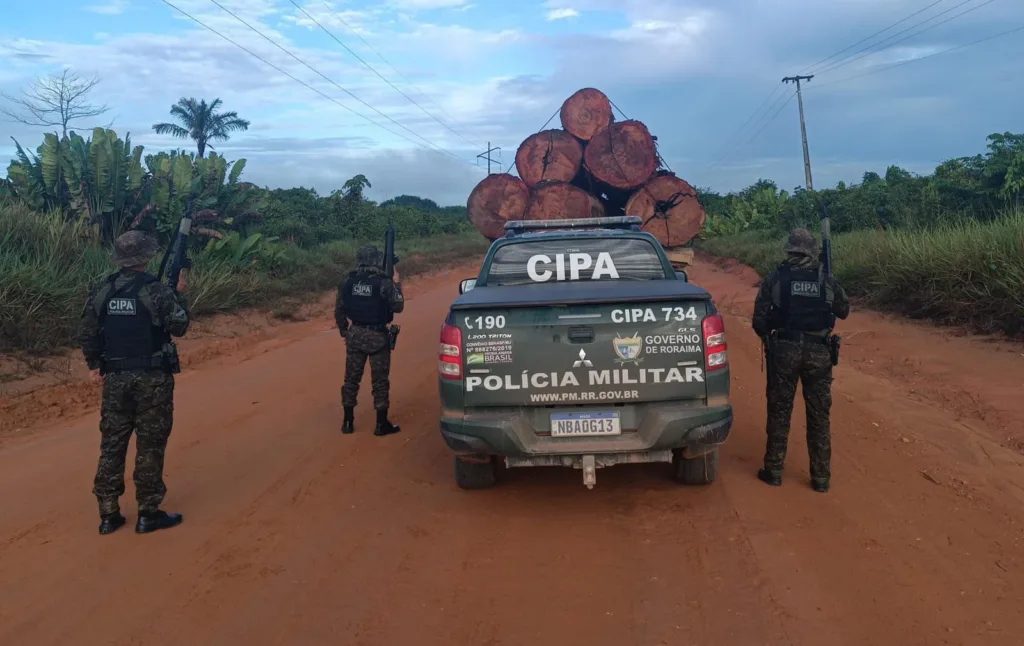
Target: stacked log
x,y
496,200
551,155
593,166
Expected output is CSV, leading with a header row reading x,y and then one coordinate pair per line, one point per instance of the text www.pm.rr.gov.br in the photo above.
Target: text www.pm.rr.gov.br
x,y
586,396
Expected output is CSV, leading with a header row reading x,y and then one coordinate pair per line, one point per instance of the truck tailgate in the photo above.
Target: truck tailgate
x,y
580,354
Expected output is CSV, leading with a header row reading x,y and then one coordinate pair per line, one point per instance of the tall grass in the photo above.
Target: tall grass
x,y
970,273
48,266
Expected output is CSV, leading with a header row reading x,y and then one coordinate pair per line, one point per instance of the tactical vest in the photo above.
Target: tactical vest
x,y
364,300
130,340
804,303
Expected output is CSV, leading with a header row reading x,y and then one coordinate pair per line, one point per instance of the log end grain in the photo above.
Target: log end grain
x,y
558,200
586,112
669,209
494,201
549,155
622,155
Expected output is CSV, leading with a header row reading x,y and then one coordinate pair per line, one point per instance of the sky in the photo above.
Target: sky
x,y
449,77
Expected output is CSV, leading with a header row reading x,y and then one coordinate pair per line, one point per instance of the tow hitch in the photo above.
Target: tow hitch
x,y
589,464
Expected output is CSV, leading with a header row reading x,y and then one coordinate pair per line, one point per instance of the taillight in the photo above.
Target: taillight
x,y
449,363
715,355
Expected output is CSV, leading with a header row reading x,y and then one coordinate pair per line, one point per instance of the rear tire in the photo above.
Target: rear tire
x,y
700,470
474,475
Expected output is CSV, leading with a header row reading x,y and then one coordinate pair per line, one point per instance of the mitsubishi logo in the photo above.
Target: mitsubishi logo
x,y
583,360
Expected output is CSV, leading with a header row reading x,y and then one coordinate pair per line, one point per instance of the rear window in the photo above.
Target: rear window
x,y
542,261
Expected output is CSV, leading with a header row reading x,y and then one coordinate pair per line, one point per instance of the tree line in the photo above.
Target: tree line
x,y
983,188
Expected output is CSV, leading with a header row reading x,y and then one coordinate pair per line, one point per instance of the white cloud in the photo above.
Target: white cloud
x,y
561,14
689,68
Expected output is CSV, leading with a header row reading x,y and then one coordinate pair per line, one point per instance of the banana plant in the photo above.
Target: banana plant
x,y
99,180
105,182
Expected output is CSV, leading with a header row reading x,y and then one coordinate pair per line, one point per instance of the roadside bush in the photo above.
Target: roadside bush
x,y
48,265
969,273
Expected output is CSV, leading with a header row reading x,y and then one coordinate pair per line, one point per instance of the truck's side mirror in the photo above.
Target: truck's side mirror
x,y
682,275
467,285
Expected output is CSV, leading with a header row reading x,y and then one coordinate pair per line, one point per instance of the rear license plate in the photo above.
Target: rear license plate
x,y
585,424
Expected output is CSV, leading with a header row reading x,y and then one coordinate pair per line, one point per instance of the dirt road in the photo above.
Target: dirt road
x,y
295,534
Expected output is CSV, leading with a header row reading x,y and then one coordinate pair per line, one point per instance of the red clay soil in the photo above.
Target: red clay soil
x,y
295,534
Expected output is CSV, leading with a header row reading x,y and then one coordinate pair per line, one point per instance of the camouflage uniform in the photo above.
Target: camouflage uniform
x,y
135,399
367,341
807,360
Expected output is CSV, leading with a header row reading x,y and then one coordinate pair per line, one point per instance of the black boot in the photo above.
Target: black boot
x,y
111,523
384,427
767,477
153,520
821,486
348,425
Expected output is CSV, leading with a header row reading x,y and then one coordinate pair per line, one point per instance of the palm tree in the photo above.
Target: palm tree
x,y
353,188
201,123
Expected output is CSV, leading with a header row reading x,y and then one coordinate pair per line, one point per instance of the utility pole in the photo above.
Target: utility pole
x,y
803,126
487,156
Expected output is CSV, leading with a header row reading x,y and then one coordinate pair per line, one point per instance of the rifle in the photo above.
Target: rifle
x,y
176,259
390,260
834,340
826,241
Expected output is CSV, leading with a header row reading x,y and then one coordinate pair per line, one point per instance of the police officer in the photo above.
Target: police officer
x,y
795,311
370,300
125,335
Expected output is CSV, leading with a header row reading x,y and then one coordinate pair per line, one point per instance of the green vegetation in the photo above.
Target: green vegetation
x,y
62,207
48,265
948,247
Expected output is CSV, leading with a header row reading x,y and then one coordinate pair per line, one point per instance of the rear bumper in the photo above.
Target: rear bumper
x,y
510,433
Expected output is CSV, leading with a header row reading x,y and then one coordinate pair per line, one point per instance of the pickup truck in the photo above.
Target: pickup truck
x,y
579,345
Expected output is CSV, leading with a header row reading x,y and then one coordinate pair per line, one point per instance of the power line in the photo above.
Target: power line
x,y
877,33
769,122
297,80
372,69
388,63
331,81
921,58
737,145
265,61
738,134
868,53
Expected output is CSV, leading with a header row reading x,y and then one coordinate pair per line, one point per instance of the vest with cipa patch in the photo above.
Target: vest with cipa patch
x,y
804,301
364,301
128,330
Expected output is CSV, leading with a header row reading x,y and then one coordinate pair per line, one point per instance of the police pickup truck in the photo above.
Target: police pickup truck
x,y
579,345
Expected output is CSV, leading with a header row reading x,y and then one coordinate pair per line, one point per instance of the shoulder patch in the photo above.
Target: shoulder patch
x,y
179,313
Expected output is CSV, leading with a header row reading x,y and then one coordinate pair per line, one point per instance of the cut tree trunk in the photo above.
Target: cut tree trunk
x,y
622,155
558,200
549,155
669,209
497,199
586,112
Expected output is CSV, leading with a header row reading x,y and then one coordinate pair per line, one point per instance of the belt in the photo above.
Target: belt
x,y
383,327
800,337
151,362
